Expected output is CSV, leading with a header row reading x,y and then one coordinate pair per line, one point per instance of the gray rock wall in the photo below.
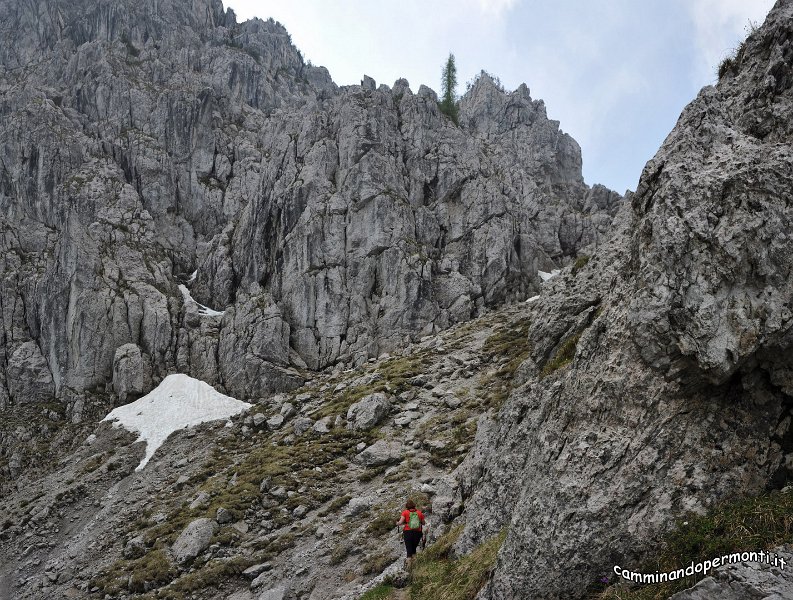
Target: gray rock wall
x,y
678,337
145,141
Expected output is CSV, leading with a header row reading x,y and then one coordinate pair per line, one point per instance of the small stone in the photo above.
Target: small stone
x,y
256,570
279,492
223,516
275,422
259,419
301,425
406,418
134,548
322,426
241,526
356,506
427,488
452,401
288,410
200,500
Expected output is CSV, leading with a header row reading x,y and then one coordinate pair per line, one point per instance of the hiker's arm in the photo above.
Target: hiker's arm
x,y
401,521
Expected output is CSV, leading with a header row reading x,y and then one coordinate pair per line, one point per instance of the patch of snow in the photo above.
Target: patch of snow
x,y
546,276
193,275
202,310
533,299
177,403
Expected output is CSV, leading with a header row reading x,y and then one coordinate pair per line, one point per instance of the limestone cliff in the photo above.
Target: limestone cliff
x,y
659,380
145,141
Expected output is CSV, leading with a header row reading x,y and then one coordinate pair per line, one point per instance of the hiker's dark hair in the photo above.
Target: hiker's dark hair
x,y
410,505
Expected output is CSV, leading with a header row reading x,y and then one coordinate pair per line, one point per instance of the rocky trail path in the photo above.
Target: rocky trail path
x,y
394,427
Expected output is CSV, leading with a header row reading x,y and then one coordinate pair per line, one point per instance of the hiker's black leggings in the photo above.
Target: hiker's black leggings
x,y
412,541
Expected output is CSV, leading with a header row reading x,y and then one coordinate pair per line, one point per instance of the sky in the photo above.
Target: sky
x,y
615,73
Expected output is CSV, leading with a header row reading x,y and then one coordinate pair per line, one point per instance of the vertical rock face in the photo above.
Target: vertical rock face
x,y
678,334
145,141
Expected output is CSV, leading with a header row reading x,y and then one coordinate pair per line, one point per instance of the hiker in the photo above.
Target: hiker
x,y
415,529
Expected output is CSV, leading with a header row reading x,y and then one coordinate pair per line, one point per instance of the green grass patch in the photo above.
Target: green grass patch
x,y
579,263
745,525
377,562
395,374
563,356
152,570
212,574
511,342
335,506
381,592
435,575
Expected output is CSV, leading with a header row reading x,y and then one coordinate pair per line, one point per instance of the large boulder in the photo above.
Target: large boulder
x,y
380,453
195,538
368,411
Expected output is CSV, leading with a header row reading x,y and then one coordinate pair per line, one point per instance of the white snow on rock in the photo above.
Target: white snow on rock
x,y
546,276
178,402
532,299
202,310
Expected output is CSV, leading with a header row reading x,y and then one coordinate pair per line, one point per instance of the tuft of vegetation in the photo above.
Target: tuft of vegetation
x,y
727,65
510,346
150,571
394,378
580,263
212,575
381,592
563,357
377,562
436,575
341,551
335,506
747,524
448,103
732,62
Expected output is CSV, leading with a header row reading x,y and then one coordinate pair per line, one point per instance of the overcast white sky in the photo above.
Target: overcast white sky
x,y
615,73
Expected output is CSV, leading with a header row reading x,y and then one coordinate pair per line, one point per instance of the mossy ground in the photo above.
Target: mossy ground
x,y
508,347
438,576
749,524
579,264
564,356
392,376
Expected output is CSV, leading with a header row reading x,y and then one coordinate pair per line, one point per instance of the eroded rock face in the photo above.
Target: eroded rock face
x,y
29,377
151,144
131,373
659,376
746,580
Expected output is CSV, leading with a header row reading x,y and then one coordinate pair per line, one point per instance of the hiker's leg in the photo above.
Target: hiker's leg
x,y
412,539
